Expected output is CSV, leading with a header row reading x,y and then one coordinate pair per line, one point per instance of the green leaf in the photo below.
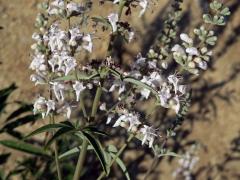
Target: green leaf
x,y
112,150
59,133
80,76
170,154
98,149
19,122
24,147
19,111
141,84
73,151
101,20
46,128
4,93
94,130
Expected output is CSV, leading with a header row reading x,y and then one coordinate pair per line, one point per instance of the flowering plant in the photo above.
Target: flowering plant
x,y
65,33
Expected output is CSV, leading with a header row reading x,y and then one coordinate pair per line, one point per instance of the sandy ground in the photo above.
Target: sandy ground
x,y
216,135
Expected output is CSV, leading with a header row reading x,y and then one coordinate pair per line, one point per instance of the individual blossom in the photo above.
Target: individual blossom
x,y
174,80
87,38
58,89
131,118
118,83
143,4
55,7
130,36
38,79
38,63
70,64
175,104
40,106
149,134
50,106
75,36
78,88
184,37
74,8
66,109
113,19
58,39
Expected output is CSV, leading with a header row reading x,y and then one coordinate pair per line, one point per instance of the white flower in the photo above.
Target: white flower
x,y
130,36
113,19
70,64
55,7
38,79
78,87
76,36
36,37
50,106
149,135
38,63
175,104
40,106
184,37
143,4
103,107
156,79
132,119
192,51
74,8
145,93
120,84
179,49
54,61
173,79
109,118
58,89
152,64
115,1
165,94
89,45
67,109
58,39
203,65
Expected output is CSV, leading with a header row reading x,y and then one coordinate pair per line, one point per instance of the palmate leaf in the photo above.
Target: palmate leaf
x,y
24,147
98,149
73,151
59,133
46,128
19,122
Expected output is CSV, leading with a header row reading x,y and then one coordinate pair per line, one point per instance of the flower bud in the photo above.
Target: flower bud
x,y
191,64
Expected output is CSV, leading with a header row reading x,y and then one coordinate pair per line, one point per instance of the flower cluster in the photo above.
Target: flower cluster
x,y
189,56
187,163
55,64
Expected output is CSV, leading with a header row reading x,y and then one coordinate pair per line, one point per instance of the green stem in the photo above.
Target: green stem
x,y
121,6
52,121
57,161
103,174
83,106
81,159
96,101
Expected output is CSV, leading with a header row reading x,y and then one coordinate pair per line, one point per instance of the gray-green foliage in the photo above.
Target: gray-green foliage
x,y
218,15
